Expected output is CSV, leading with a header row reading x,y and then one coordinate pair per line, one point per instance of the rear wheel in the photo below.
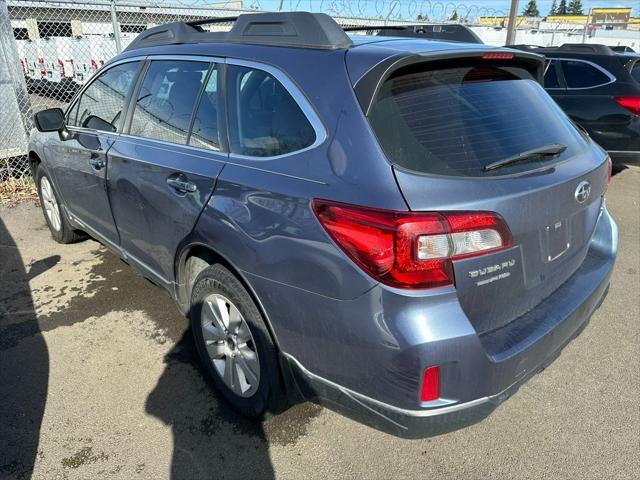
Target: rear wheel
x,y
234,343
59,226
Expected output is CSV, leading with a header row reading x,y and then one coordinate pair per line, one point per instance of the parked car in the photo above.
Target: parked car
x,y
600,90
405,231
448,32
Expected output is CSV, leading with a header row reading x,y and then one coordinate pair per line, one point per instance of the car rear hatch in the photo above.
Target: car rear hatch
x,y
462,135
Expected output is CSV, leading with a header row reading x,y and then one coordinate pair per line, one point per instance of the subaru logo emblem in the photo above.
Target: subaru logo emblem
x,y
582,192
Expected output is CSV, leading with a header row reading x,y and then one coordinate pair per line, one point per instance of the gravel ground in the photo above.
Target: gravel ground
x,y
99,379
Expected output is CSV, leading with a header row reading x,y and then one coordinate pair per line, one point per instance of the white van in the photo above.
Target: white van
x,y
58,53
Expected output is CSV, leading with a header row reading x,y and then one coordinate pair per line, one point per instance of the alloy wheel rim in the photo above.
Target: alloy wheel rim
x,y
50,204
230,345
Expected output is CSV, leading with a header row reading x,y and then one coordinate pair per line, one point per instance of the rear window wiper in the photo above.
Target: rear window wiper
x,y
546,151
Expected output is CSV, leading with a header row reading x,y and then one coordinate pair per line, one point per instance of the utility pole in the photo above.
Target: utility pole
x,y
511,27
588,25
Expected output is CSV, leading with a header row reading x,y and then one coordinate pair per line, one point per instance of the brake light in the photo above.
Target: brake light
x,y
61,67
430,384
630,103
497,56
412,250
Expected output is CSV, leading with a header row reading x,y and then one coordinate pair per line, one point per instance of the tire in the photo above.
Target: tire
x,y
216,285
59,226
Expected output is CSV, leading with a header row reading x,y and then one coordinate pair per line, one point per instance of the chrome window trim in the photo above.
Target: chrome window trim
x,y
95,77
300,99
199,152
594,65
295,92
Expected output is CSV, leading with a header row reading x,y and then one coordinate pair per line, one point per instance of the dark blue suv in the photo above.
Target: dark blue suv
x,y
403,230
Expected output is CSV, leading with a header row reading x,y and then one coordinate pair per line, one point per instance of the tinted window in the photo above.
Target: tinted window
x,y
102,103
582,75
635,71
205,125
551,76
456,121
264,120
165,102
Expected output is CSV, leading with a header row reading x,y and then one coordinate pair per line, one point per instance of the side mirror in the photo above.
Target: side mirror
x,y
50,120
97,123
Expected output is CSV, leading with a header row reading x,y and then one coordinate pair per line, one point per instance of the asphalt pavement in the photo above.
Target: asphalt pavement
x,y
99,379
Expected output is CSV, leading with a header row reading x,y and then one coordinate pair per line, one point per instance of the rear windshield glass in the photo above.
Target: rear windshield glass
x,y
456,121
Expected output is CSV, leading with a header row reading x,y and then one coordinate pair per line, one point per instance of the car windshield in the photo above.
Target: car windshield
x,y
456,121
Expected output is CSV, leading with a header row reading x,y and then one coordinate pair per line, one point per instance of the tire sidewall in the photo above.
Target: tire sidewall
x,y
217,279
57,235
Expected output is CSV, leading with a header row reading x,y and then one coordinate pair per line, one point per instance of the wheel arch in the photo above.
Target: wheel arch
x,y
195,257
34,160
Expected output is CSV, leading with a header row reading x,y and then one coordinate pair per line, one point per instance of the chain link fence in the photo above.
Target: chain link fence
x,y
50,49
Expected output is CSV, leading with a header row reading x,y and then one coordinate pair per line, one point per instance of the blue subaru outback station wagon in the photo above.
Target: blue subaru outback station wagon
x,y
403,230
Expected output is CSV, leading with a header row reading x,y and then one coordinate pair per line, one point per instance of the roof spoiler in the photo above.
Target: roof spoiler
x,y
283,29
369,85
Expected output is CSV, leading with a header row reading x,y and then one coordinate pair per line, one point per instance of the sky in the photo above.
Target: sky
x,y
545,5
379,8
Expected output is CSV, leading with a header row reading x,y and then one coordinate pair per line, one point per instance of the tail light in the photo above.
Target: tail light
x,y
412,250
61,67
630,103
430,389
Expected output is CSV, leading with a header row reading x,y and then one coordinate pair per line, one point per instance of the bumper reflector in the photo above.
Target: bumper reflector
x,y
430,384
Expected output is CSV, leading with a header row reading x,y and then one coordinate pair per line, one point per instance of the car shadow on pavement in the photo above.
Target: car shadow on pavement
x,y
210,440
24,362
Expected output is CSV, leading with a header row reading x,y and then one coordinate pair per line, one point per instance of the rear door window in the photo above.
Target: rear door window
x,y
456,121
551,79
101,105
204,132
165,103
579,74
264,119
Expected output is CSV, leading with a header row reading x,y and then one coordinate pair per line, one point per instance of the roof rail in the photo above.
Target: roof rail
x,y
586,48
450,32
281,29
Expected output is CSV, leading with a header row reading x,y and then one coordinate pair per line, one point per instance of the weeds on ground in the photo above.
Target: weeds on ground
x,y
13,191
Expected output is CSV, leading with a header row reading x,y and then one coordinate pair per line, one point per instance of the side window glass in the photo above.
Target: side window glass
x,y
635,71
264,119
164,104
551,76
101,105
582,75
205,124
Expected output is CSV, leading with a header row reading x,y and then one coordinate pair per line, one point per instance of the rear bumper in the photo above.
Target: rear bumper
x,y
407,423
480,371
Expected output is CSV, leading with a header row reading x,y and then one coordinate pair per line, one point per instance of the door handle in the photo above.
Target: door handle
x,y
181,184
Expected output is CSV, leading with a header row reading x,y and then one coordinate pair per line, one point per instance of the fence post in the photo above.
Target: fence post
x,y
15,104
115,26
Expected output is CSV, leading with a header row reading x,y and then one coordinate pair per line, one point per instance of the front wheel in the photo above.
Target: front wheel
x,y
234,343
59,226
